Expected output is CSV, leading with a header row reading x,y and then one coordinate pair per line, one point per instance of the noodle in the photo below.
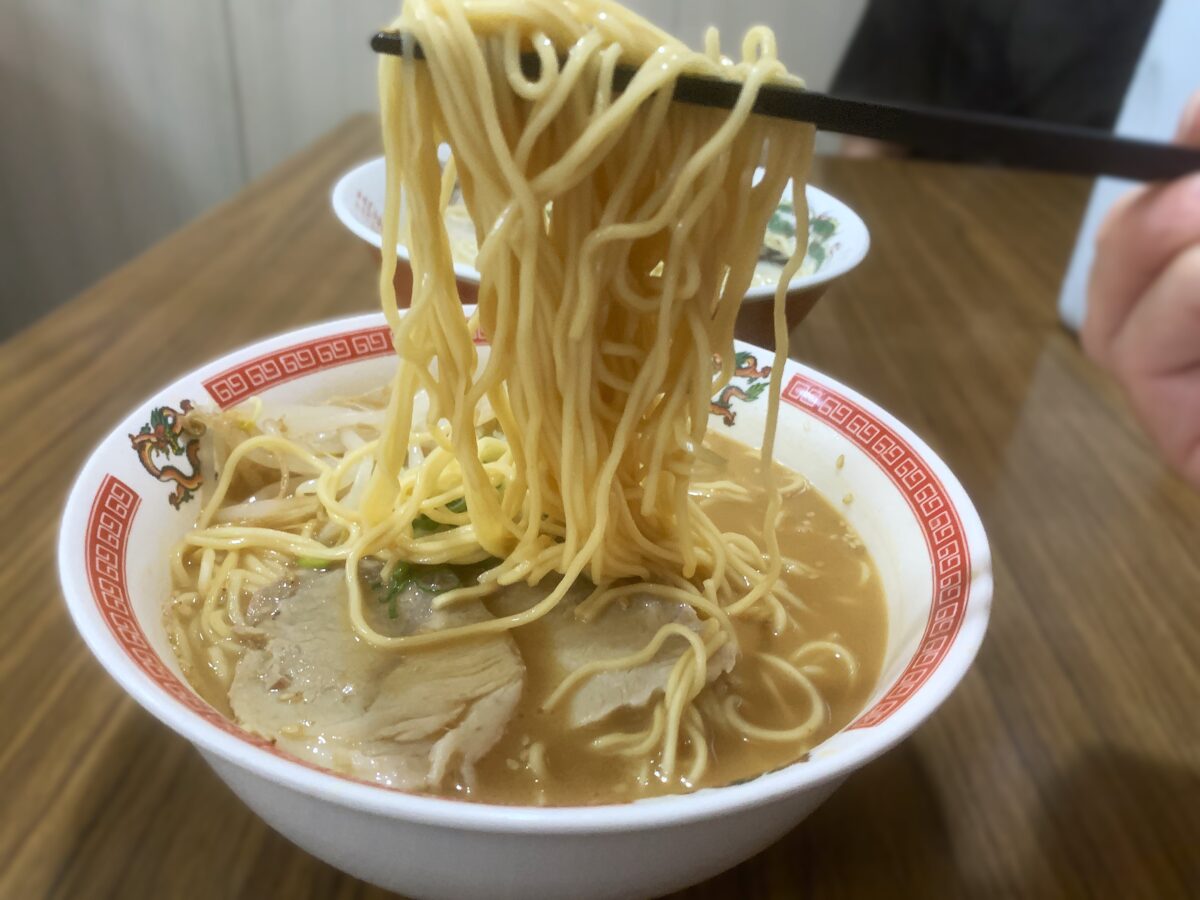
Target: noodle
x,y
543,310
617,235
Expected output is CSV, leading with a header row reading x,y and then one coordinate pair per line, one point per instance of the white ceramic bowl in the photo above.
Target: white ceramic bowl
x,y
913,515
838,239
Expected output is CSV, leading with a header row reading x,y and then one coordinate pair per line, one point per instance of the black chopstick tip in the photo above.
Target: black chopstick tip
x,y
391,43
388,42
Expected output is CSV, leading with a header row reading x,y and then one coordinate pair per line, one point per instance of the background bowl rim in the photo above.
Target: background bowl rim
x,y
671,810
850,224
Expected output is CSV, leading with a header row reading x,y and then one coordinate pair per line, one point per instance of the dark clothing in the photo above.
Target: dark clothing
x,y
1067,61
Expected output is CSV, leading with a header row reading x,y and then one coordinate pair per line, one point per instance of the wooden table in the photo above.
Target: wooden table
x,y
1067,763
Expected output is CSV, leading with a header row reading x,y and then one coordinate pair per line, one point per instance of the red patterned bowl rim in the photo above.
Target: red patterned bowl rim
x,y
954,537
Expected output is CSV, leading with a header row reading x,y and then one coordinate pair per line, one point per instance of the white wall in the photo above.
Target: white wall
x,y
115,127
122,119
302,67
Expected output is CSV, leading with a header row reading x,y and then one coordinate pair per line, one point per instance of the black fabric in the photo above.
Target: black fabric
x,y
1067,61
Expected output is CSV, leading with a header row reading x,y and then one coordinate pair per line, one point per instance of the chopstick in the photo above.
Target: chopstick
x,y
1002,140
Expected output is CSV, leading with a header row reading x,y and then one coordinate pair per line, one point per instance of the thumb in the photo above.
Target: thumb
x,y
1189,123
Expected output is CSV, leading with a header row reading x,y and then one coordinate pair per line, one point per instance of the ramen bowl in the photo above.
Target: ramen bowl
x,y
838,241
137,496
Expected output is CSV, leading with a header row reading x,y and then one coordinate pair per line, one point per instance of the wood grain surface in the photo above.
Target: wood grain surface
x,y
1067,763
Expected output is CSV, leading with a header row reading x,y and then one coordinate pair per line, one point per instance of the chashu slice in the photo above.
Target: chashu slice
x,y
409,720
622,629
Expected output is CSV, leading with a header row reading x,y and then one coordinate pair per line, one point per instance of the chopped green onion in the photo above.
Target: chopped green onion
x,y
396,583
313,562
423,525
432,579
436,579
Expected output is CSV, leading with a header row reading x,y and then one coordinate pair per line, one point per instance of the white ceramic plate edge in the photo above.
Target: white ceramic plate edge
x,y
851,229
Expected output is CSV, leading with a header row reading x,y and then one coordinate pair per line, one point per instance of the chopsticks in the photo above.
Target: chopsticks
x,y
1002,140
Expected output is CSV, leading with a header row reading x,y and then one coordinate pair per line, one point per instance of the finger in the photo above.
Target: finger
x,y
1158,358
1139,238
1139,235
1161,335
1189,123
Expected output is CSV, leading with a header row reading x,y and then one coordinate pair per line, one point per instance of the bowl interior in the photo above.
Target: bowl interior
x,y
125,514
838,238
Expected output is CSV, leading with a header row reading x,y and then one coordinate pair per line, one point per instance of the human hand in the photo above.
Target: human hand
x,y
1143,312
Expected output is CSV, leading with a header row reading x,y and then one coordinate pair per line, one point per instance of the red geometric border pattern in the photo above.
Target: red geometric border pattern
x,y
246,379
107,536
936,515
367,211
234,385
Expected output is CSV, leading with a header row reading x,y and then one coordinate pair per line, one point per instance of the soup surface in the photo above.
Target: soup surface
x,y
291,668
840,588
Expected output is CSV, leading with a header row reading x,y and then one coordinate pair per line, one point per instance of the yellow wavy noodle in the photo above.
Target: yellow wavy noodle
x,y
617,235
